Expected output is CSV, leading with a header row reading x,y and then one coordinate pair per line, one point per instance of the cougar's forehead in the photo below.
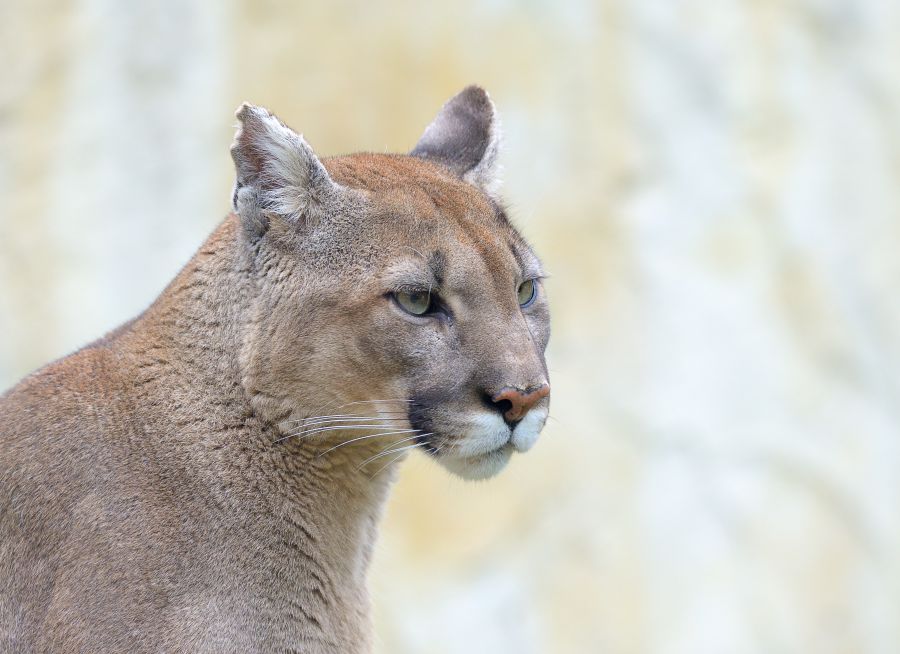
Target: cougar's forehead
x,y
420,209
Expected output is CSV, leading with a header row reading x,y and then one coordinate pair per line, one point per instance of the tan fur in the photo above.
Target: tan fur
x,y
152,496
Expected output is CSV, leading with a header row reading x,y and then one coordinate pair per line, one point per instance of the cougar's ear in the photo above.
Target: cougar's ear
x,y
278,174
465,137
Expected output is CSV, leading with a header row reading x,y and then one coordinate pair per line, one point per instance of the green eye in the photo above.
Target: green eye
x,y
416,302
527,292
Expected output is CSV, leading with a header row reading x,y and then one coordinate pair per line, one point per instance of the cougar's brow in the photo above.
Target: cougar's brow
x,y
529,265
411,273
437,264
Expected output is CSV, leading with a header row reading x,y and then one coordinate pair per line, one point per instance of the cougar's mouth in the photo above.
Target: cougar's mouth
x,y
472,445
479,447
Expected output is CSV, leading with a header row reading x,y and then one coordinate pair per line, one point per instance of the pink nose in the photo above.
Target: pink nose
x,y
520,402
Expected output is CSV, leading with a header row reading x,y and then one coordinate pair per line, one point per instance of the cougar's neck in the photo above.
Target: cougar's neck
x,y
185,357
188,342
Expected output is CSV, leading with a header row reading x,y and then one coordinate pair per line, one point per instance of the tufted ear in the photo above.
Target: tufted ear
x,y
278,174
465,137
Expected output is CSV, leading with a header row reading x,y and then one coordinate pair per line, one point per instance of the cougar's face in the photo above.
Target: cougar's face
x,y
394,295
450,316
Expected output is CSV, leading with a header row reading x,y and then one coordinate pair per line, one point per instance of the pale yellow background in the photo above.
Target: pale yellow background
x,y
715,186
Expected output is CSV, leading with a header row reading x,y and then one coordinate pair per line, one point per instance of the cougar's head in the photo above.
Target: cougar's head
x,y
393,293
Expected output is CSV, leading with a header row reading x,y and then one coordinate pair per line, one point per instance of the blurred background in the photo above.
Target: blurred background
x,y
715,187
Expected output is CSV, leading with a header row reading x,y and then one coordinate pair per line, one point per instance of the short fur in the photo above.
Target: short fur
x,y
209,477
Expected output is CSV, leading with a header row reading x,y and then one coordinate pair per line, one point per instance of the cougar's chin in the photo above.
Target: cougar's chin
x,y
481,466
479,448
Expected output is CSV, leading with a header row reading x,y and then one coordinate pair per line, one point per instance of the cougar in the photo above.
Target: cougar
x,y
209,477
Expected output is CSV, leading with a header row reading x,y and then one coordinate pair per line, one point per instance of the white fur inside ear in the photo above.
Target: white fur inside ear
x,y
487,173
278,165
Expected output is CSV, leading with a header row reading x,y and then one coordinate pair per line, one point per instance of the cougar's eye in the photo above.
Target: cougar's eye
x,y
527,292
415,302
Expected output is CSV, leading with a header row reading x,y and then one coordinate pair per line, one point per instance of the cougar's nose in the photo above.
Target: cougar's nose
x,y
514,403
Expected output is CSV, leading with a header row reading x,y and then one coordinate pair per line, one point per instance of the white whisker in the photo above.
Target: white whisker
x,y
338,420
381,416
391,451
303,434
360,438
402,451
374,402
